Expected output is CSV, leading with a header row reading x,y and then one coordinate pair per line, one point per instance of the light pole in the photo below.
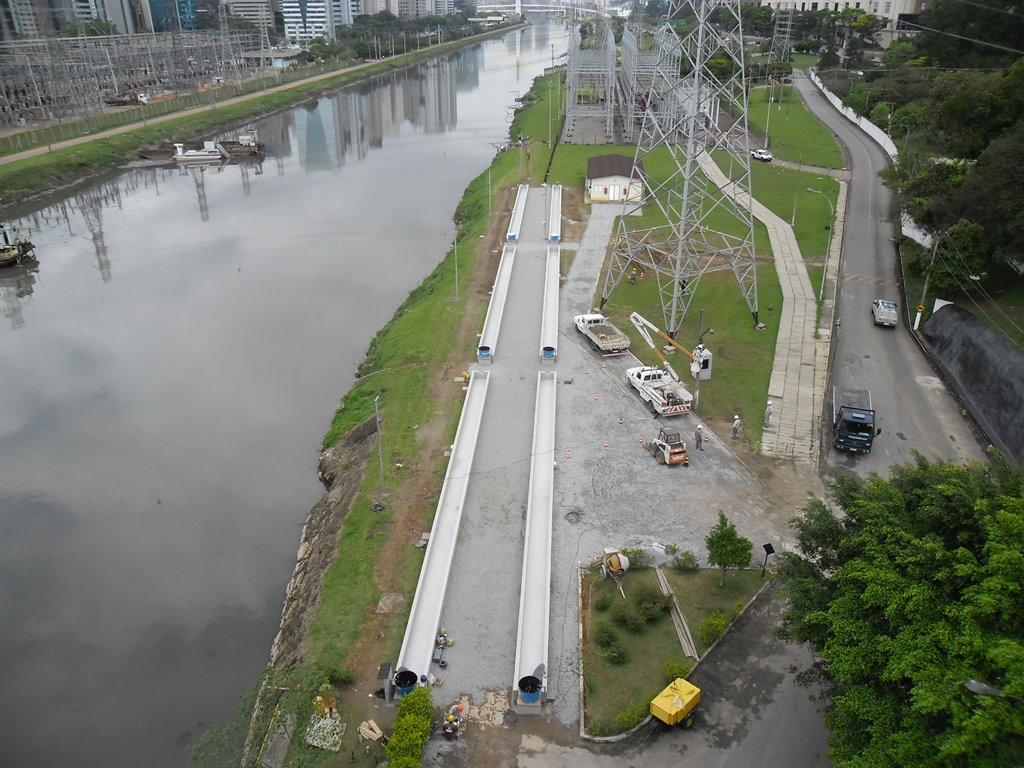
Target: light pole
x,y
456,262
828,248
380,447
799,170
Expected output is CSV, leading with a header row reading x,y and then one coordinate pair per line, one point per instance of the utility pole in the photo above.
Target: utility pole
x,y
380,447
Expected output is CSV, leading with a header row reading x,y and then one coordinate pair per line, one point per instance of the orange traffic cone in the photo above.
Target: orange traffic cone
x,y
641,439
568,455
597,396
606,442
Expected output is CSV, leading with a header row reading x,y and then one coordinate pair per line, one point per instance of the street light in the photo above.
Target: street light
x,y
828,248
380,449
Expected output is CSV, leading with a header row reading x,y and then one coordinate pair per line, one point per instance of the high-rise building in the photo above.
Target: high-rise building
x,y
306,20
258,12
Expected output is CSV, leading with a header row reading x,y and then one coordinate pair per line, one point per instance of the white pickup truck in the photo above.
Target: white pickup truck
x,y
662,392
599,329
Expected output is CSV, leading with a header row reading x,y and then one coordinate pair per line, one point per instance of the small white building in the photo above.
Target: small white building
x,y
610,178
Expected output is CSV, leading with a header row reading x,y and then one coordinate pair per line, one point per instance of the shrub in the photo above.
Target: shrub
x,y
712,627
686,561
412,729
632,715
675,667
617,654
624,616
604,635
603,602
650,602
636,556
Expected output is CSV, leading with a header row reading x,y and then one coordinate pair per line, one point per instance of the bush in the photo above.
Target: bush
x,y
617,654
636,556
685,561
412,729
605,636
712,628
675,667
632,715
603,602
650,602
624,616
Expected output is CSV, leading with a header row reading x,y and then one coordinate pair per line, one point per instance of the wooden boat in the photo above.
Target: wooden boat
x,y
12,248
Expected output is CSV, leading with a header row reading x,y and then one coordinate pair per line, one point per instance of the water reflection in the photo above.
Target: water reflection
x,y
16,284
169,370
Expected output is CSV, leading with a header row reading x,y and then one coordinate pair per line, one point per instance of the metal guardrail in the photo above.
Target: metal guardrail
x,y
496,308
518,211
549,318
425,616
530,677
555,213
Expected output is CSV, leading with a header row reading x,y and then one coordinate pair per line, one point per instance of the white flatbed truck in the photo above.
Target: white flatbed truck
x,y
602,333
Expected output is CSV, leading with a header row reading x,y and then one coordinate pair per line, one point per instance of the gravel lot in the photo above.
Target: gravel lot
x,y
615,496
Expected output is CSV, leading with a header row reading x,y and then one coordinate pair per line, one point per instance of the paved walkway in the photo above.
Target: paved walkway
x,y
800,367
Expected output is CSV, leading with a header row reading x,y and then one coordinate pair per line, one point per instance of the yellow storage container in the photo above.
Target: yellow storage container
x,y
676,703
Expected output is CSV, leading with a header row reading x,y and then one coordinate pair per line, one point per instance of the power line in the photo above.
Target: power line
x,y
1008,12
961,37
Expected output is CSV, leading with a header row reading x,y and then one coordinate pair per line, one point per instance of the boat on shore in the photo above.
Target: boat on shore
x,y
13,249
210,152
247,146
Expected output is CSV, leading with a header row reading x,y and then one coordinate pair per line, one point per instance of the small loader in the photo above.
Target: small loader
x,y
668,448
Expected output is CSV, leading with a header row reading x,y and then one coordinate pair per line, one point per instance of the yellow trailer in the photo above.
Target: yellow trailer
x,y
676,703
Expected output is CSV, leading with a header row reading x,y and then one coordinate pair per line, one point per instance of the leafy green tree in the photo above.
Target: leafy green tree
x,y
915,586
726,548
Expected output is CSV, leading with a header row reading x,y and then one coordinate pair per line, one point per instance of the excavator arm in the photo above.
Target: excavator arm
x,y
645,327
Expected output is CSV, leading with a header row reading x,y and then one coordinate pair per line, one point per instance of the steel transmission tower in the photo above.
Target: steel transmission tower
x,y
694,122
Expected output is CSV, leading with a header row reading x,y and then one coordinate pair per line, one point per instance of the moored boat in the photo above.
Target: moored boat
x,y
13,248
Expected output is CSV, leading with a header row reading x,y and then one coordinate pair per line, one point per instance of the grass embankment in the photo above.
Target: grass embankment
x,y
218,109
419,341
627,661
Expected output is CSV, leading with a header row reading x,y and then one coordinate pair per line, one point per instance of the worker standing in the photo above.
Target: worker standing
x,y
768,414
736,424
698,437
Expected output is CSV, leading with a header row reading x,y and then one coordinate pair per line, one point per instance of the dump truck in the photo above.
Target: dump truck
x,y
853,420
668,448
676,703
602,333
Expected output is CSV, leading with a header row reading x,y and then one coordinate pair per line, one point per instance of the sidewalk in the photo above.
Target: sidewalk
x,y
800,367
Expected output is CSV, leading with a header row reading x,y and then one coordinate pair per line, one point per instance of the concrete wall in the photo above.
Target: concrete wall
x,y
985,371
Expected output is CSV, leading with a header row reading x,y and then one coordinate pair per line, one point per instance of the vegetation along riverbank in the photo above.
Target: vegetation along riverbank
x,y
60,165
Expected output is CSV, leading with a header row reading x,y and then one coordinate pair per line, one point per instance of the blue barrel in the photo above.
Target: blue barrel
x,y
549,354
484,353
405,681
529,689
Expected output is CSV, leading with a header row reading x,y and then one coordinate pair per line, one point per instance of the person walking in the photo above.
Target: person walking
x,y
768,414
698,437
736,426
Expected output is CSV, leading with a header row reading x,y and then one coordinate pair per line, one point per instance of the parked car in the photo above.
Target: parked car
x,y
761,154
884,312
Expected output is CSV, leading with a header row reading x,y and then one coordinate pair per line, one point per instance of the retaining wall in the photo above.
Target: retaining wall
x,y
986,372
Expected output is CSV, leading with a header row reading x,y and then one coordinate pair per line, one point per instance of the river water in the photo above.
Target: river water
x,y
168,373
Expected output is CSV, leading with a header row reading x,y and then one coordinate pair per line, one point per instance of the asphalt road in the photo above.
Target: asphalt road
x,y
913,407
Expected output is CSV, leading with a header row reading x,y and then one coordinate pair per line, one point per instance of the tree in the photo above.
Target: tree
x,y
915,587
726,548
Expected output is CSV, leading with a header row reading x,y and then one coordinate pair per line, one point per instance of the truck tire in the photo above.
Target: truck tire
x,y
660,457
